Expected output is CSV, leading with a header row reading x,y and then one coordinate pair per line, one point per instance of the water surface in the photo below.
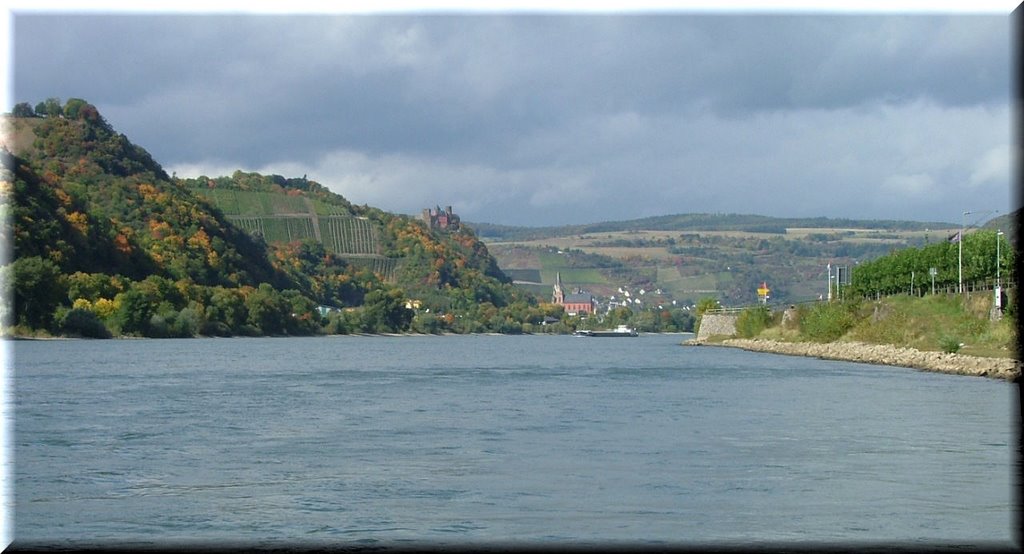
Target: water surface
x,y
498,440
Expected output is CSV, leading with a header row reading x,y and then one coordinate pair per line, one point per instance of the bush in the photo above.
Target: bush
x,y
426,323
173,324
826,322
752,321
83,323
886,323
950,345
215,329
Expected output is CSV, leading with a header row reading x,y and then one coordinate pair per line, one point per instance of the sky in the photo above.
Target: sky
x,y
545,117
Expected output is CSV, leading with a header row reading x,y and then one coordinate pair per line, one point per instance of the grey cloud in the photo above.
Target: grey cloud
x,y
503,110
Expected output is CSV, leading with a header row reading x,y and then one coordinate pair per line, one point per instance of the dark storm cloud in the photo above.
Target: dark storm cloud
x,y
495,111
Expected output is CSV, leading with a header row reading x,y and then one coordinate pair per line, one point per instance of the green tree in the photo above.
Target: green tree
x,y
645,321
50,107
752,321
226,312
23,109
426,323
343,322
73,107
384,311
133,313
621,315
39,289
93,286
304,318
268,311
83,323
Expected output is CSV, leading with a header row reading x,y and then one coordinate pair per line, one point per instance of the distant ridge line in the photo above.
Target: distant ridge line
x,y
703,222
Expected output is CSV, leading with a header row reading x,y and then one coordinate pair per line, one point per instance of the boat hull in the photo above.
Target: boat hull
x,y
606,334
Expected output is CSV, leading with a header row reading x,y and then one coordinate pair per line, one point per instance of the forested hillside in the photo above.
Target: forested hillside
x,y
106,243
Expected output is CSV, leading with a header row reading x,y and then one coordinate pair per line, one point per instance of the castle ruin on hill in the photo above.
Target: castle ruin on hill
x,y
438,219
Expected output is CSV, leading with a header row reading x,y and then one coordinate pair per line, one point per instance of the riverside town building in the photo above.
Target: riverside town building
x,y
577,303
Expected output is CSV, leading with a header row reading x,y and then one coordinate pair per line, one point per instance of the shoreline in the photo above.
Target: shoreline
x,y
882,354
13,338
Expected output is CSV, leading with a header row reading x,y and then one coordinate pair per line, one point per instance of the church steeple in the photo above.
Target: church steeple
x,y
558,295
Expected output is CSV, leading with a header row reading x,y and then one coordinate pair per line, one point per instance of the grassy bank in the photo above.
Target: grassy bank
x,y
936,323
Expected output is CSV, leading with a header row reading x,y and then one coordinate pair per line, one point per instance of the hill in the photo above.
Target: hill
x,y
700,222
685,258
105,242
1007,223
280,210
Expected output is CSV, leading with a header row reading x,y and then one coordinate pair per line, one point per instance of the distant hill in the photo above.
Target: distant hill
x,y
700,222
685,258
1007,223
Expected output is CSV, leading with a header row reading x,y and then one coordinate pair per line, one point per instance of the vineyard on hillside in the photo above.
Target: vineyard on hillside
x,y
260,204
349,235
386,267
277,228
283,218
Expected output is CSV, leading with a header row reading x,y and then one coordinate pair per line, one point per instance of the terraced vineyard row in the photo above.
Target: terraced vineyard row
x,y
280,218
339,234
354,239
323,208
246,203
253,203
387,268
349,235
277,228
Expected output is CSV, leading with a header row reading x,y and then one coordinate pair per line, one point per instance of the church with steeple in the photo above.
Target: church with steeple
x,y
577,303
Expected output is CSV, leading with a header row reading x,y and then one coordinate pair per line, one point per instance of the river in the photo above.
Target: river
x,y
498,440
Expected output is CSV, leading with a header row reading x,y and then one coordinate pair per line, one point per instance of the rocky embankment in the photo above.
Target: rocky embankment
x,y
884,354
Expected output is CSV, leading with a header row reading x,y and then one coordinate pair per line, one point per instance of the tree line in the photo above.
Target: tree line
x,y
909,270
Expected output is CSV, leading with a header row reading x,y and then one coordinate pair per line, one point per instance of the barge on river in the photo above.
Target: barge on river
x,y
620,331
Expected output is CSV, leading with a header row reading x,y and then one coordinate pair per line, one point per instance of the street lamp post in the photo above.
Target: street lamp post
x,y
829,295
999,288
960,254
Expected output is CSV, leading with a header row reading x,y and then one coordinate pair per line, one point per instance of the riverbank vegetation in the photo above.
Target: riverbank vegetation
x,y
941,323
909,298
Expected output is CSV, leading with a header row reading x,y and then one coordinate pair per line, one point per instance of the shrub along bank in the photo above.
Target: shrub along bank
x,y
949,333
